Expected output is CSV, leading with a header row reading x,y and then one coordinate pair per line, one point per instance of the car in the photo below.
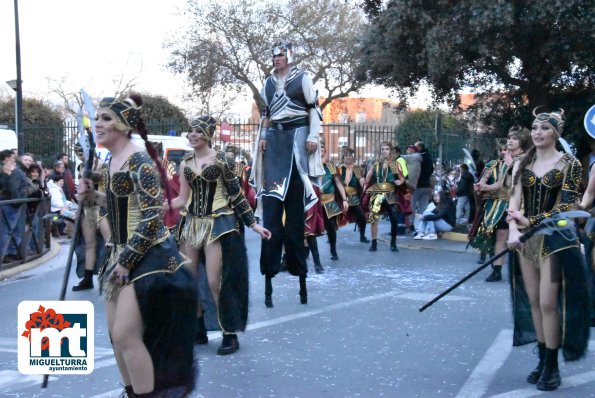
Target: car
x,y
8,139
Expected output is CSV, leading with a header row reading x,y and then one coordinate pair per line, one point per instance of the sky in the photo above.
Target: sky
x,y
91,44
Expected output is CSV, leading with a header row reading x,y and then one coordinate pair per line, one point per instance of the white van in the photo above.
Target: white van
x,y
174,148
8,139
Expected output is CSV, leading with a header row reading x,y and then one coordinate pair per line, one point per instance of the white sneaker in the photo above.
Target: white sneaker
x,y
430,237
418,236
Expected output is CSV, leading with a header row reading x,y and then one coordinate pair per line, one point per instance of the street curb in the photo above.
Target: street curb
x,y
419,246
53,252
456,236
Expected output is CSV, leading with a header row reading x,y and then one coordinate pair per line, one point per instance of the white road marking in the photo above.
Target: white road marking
x,y
305,314
567,383
430,296
12,378
8,344
214,336
478,382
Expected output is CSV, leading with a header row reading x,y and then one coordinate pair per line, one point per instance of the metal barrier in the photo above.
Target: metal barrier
x,y
24,227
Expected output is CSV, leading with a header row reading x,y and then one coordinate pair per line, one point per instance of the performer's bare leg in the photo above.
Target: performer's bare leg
x,y
127,336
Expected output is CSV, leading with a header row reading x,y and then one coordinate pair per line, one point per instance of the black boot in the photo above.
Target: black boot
x,y
393,244
373,246
313,245
229,345
534,376
362,232
85,283
496,275
482,258
201,331
128,392
152,394
550,377
334,255
268,292
303,290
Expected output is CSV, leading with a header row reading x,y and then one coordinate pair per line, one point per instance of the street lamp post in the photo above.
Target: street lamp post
x,y
19,86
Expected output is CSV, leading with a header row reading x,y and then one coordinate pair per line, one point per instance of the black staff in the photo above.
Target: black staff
x,y
548,226
88,144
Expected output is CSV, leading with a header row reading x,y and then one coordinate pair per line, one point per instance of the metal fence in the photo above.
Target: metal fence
x,y
365,139
25,230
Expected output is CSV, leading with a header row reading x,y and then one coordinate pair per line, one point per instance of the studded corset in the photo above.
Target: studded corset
x,y
207,195
217,189
135,209
554,192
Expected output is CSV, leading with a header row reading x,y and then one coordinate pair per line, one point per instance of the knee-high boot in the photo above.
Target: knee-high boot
x,y
362,231
313,245
303,290
534,376
550,377
393,244
268,291
332,238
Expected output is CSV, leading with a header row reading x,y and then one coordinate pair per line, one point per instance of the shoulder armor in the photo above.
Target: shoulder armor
x,y
357,171
188,155
227,165
137,159
394,166
331,167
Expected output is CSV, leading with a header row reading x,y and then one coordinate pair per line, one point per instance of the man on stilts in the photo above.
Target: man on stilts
x,y
287,158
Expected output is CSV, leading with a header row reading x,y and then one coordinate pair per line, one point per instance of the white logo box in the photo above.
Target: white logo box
x,y
40,322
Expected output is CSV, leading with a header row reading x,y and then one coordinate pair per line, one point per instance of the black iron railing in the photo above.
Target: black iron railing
x,y
25,230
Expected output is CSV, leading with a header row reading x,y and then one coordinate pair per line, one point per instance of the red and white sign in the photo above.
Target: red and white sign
x,y
225,132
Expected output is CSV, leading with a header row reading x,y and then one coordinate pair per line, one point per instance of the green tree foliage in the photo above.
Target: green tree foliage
x,y
455,135
161,116
520,53
228,46
42,127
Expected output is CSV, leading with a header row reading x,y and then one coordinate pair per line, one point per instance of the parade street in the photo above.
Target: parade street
x,y
360,335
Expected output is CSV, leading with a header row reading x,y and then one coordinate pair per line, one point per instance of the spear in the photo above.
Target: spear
x,y
560,222
87,141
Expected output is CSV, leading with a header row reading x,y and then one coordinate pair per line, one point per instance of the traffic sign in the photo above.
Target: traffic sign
x,y
590,121
225,132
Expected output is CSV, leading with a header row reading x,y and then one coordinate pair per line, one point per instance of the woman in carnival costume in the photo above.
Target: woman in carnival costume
x,y
151,299
208,178
353,179
548,275
494,185
383,179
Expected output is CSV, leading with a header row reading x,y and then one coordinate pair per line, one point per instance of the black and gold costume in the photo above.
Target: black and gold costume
x,y
164,290
543,197
216,199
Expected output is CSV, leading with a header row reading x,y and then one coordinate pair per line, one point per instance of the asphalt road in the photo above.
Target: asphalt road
x,y
360,335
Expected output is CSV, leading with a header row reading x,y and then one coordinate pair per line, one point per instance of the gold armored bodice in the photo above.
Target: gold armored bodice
x,y
135,208
208,191
554,192
216,190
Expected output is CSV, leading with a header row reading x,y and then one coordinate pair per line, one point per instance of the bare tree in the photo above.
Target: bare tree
x,y
227,47
70,97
